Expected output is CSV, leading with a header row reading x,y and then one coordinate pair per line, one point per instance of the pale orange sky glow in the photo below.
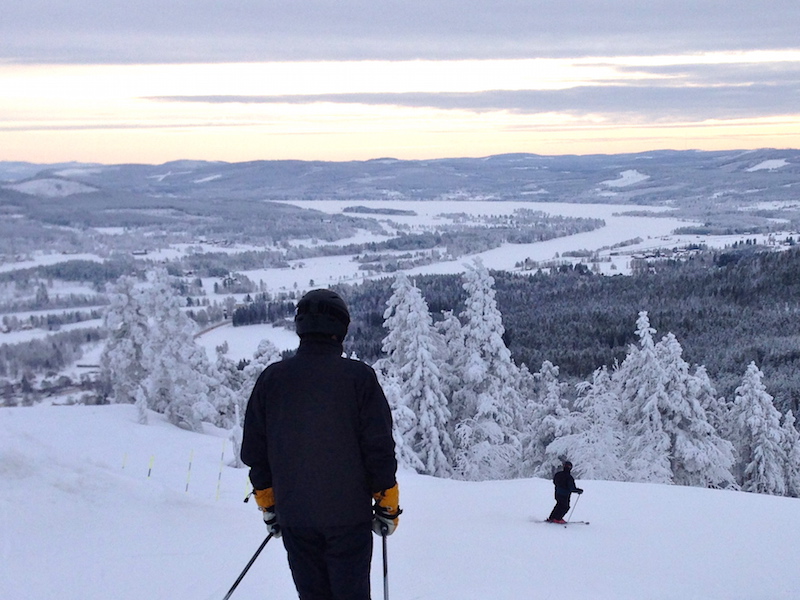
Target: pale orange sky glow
x,y
95,90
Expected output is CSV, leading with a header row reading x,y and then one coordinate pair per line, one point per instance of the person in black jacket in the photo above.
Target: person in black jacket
x,y
318,441
565,486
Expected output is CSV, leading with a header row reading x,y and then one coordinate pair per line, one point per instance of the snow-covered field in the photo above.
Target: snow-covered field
x,y
95,506
655,232
243,341
46,259
15,337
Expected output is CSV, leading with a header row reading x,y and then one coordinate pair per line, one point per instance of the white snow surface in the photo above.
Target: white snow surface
x,y
46,259
51,187
243,341
82,520
626,178
207,179
769,165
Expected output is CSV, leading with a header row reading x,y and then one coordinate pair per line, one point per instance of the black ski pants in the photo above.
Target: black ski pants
x,y
330,563
561,508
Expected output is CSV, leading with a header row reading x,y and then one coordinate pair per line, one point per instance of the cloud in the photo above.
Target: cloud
x,y
162,31
683,92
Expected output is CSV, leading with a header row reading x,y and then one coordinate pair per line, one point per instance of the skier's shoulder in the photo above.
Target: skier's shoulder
x,y
563,479
270,372
356,367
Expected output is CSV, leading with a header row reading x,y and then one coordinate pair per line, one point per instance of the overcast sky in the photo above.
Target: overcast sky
x,y
150,81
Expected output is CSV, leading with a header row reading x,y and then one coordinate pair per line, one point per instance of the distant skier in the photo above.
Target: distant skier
x,y
565,486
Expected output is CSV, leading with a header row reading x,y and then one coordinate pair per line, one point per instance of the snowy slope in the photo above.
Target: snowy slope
x,y
81,520
51,187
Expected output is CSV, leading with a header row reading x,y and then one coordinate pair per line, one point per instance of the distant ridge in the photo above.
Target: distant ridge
x,y
667,177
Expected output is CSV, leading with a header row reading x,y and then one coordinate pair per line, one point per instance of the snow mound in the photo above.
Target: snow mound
x,y
769,165
626,178
51,187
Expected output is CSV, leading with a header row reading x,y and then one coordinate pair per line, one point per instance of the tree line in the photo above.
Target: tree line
x,y
463,408
728,307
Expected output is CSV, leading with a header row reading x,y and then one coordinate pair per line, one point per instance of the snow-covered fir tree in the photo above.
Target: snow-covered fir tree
x,y
235,389
791,445
762,458
404,421
179,382
454,358
122,370
152,359
594,439
666,433
413,350
488,445
640,386
230,390
716,408
235,435
546,417
698,455
266,354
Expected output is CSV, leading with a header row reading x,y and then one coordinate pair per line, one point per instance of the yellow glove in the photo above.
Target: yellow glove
x,y
265,498
387,511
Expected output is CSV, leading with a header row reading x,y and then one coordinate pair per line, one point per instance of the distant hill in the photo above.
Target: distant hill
x,y
675,178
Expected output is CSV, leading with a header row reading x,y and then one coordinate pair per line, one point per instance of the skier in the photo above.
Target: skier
x,y
318,441
565,486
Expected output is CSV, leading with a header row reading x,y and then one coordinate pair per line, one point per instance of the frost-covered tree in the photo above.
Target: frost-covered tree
x,y
141,405
667,436
698,455
640,385
453,362
266,354
488,445
230,391
594,439
193,386
716,408
791,445
235,435
413,351
179,381
761,455
235,387
121,363
546,419
152,359
404,421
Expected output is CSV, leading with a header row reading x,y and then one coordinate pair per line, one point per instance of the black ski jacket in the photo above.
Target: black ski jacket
x,y
318,430
565,484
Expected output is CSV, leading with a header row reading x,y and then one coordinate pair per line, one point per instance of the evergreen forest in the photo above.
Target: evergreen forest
x,y
727,308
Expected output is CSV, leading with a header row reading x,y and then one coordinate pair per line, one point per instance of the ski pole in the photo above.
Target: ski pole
x,y
573,508
247,568
384,533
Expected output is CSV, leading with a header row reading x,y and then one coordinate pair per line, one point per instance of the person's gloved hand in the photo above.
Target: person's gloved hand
x,y
579,491
387,511
271,520
266,504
